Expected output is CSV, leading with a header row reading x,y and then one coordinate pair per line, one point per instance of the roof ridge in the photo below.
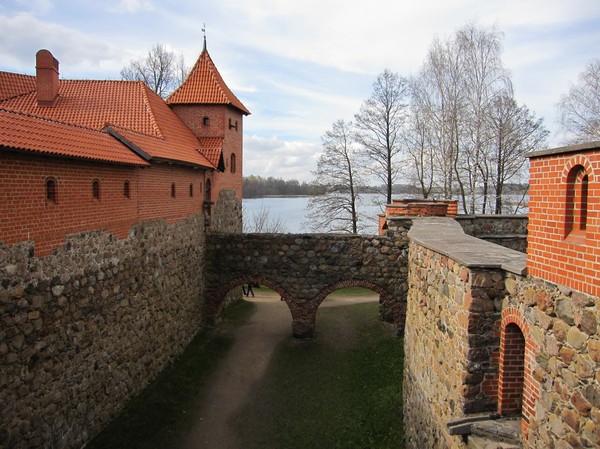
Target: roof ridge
x,y
149,109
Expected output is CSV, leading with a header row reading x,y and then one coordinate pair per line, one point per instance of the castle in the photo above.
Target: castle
x,y
89,154
108,270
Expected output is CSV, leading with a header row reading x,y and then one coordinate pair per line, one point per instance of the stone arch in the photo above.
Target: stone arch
x,y
517,358
216,299
346,283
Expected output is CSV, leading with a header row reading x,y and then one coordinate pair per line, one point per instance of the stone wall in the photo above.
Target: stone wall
x,y
467,301
456,287
84,329
505,230
305,268
563,324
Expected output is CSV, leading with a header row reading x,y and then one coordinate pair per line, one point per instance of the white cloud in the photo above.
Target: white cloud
x,y
279,158
132,6
23,35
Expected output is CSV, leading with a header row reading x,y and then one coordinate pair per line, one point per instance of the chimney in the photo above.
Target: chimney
x,y
46,67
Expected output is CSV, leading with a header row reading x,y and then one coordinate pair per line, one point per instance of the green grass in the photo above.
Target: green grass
x,y
323,395
328,392
163,412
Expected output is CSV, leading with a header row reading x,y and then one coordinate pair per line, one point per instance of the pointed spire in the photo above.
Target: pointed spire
x,y
204,32
204,85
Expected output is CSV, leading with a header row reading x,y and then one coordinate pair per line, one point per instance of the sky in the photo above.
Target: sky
x,y
299,66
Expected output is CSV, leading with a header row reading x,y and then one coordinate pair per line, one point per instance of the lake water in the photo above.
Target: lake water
x,y
292,211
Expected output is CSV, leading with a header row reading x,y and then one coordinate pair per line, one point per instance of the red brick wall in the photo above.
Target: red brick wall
x,y
518,391
222,123
556,253
26,214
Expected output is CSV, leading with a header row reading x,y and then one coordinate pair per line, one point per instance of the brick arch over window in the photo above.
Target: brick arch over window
x,y
576,177
517,389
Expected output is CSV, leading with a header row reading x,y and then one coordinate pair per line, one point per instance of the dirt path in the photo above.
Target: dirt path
x,y
246,363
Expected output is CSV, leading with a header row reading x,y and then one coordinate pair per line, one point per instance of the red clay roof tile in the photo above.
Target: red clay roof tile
x,y
211,147
13,84
204,85
25,132
130,107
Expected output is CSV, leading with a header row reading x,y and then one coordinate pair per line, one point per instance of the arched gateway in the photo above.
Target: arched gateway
x,y
305,268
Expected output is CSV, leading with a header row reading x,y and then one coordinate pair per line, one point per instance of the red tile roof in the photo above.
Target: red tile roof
x,y
25,132
212,148
129,107
13,84
204,85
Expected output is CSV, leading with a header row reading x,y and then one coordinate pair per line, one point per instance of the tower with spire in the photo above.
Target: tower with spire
x,y
213,112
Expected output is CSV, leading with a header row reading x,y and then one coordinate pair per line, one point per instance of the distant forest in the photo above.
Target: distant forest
x,y
257,187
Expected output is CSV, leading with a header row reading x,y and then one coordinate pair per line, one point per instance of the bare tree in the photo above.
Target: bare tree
x,y
515,132
336,210
580,108
379,127
162,70
261,222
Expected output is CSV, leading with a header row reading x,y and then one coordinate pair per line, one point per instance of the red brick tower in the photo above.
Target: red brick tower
x,y
211,110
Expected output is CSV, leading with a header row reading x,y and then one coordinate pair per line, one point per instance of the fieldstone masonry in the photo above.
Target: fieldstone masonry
x,y
305,268
84,329
466,298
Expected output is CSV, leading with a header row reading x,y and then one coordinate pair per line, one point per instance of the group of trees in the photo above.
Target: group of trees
x,y
453,129
257,187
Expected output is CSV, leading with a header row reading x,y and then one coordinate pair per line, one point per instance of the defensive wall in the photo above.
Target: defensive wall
x,y
88,326
492,354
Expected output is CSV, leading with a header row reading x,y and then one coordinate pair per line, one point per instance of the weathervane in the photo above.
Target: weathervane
x,y
204,32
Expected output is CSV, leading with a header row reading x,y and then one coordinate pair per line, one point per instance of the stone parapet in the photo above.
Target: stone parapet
x,y
456,287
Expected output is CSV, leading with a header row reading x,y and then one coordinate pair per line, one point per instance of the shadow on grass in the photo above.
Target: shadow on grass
x,y
163,412
317,394
328,392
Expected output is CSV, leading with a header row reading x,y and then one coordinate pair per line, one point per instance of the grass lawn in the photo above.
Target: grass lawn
x,y
320,394
338,390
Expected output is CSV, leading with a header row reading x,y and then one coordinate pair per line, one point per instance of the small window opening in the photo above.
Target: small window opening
x,y
191,190
51,190
205,121
96,189
173,190
232,165
126,192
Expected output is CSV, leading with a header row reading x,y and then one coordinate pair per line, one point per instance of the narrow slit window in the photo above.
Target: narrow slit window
x,y
96,189
232,164
51,190
126,192
173,190
191,190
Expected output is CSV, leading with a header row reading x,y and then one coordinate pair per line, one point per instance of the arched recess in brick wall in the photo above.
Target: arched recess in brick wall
x,y
517,389
577,175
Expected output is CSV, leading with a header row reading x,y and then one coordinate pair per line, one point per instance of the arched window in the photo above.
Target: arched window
x,y
232,164
51,193
96,189
173,190
576,201
126,192
512,370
